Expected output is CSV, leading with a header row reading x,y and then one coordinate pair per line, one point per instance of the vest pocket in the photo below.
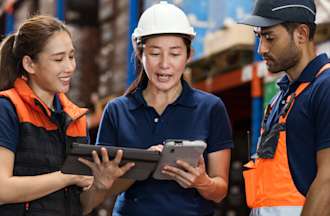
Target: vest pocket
x,y
250,183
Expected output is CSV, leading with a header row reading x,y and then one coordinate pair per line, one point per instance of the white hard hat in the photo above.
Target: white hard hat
x,y
163,18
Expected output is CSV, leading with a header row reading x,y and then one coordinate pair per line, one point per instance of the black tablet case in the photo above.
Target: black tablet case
x,y
145,161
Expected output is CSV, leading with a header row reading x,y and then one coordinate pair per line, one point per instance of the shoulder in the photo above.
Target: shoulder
x,y
324,77
121,103
9,125
6,106
321,85
7,111
206,99
11,95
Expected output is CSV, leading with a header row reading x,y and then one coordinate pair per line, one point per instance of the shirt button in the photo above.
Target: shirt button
x,y
156,120
283,102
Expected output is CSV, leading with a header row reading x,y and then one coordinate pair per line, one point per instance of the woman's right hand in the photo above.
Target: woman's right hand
x,y
105,172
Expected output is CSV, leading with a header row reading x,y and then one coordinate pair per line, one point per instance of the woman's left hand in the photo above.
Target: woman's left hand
x,y
186,175
105,172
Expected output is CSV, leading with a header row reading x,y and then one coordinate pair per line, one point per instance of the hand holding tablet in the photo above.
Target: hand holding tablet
x,y
188,151
147,163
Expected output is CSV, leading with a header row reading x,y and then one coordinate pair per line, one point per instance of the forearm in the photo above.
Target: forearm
x,y
214,189
26,188
318,199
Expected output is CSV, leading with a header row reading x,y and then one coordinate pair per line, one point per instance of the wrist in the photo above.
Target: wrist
x,y
206,186
102,186
67,179
204,182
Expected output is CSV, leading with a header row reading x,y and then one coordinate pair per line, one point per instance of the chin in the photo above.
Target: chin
x,y
274,70
161,86
165,87
162,89
64,90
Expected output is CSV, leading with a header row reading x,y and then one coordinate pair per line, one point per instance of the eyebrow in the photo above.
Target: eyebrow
x,y
62,53
157,47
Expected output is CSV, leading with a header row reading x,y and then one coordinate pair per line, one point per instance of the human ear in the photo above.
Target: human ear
x,y
28,64
191,54
302,33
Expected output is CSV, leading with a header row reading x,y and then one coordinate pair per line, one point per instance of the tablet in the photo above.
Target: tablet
x,y
189,151
145,161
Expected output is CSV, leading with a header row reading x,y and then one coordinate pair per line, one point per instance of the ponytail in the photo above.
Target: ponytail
x,y
8,63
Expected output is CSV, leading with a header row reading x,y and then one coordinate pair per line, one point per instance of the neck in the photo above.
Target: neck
x,y
159,99
47,99
43,95
308,54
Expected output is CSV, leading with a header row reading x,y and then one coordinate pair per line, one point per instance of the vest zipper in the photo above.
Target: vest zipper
x,y
26,208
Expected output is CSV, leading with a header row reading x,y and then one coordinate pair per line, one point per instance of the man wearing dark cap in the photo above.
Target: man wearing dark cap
x,y
290,173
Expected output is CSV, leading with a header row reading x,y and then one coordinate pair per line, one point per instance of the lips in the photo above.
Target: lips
x,y
267,60
65,80
163,77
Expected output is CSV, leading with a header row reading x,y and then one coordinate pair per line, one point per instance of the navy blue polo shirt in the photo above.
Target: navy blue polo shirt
x,y
129,122
308,123
9,123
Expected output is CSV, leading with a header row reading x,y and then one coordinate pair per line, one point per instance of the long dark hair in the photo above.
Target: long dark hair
x,y
141,76
29,40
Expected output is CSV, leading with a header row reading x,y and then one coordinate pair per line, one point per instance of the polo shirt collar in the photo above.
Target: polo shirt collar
x,y
186,97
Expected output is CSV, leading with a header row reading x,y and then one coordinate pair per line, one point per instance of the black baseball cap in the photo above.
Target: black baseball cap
x,y
272,12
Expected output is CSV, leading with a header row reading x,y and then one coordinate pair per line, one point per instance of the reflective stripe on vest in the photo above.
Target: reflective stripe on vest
x,y
268,182
282,210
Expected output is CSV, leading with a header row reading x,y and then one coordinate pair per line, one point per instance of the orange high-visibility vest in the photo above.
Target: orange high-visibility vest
x,y
41,149
269,186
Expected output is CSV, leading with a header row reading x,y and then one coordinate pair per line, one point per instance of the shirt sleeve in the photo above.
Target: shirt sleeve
x,y
9,125
321,114
106,132
220,129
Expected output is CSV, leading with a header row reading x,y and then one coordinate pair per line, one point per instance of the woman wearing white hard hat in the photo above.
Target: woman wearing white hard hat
x,y
160,105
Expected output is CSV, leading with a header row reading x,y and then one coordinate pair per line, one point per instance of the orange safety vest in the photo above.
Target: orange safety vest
x,y
269,186
33,110
41,149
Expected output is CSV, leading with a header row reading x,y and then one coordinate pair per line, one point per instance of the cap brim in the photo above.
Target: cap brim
x,y
259,21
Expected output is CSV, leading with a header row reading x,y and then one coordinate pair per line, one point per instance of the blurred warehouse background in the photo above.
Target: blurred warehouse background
x,y
225,62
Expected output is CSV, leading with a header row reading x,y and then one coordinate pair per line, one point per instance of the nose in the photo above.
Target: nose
x,y
70,65
164,62
262,47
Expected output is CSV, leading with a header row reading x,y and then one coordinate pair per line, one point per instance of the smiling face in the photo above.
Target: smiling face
x,y
164,59
54,66
278,48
